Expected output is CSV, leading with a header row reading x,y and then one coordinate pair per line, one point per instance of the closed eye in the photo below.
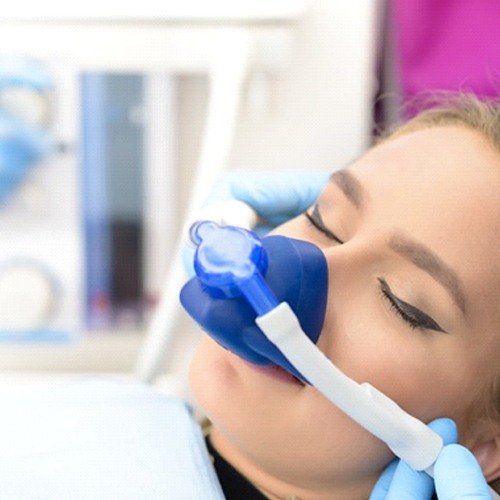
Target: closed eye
x,y
316,221
414,317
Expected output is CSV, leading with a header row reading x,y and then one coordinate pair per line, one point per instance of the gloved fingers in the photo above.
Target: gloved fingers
x,y
261,186
276,196
285,193
446,428
458,475
221,188
384,482
400,481
408,484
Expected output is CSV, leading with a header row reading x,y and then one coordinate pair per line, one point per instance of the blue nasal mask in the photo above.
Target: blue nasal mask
x,y
256,275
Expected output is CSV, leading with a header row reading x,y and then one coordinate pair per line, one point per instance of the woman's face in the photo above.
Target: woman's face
x,y
410,233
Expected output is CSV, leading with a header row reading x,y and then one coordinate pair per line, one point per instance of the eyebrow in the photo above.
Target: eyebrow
x,y
405,246
425,259
350,186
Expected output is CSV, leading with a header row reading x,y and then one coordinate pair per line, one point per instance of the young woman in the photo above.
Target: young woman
x,y
409,231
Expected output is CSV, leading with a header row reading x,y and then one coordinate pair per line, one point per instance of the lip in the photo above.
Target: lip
x,y
275,372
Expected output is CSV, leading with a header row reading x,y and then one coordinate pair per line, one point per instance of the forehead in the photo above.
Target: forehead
x,y
453,169
436,157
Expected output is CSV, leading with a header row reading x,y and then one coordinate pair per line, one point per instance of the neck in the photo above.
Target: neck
x,y
276,488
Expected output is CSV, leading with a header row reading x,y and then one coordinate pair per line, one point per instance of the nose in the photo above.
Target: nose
x,y
352,256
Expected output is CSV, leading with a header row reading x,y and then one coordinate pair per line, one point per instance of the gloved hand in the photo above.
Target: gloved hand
x,y
276,196
457,474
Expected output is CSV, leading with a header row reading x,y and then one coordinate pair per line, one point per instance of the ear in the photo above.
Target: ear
x,y
487,453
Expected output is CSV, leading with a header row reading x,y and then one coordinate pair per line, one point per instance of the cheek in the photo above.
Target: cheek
x,y
417,370
201,373
212,376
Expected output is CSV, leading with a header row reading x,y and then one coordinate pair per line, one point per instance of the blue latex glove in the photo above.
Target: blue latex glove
x,y
457,474
279,195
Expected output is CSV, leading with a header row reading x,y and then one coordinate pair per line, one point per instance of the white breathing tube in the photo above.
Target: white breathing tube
x,y
408,438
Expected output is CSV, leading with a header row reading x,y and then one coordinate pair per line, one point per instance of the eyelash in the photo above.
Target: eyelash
x,y
412,322
425,323
325,231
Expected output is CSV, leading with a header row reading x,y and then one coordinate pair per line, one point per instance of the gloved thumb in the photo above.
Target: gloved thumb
x,y
458,475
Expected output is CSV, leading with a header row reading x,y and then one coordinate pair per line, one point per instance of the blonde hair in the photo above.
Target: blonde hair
x,y
483,116
465,110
